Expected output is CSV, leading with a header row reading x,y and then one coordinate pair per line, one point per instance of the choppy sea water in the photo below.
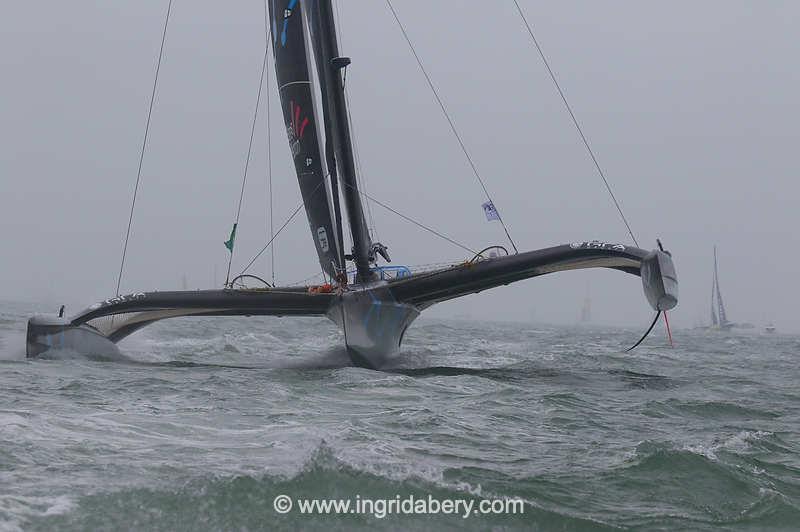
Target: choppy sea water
x,y
204,421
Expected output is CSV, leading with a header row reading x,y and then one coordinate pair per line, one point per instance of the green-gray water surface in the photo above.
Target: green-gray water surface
x,y
204,421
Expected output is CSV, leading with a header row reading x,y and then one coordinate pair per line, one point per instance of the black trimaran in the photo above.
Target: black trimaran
x,y
373,312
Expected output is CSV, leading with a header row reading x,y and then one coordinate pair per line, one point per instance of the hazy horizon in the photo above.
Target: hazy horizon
x,y
690,108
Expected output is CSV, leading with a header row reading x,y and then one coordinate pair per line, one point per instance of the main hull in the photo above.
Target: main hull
x,y
373,323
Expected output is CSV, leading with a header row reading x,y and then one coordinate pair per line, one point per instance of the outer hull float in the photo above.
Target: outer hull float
x,y
50,332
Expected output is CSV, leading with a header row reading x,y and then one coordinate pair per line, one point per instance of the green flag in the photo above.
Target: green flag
x,y
229,242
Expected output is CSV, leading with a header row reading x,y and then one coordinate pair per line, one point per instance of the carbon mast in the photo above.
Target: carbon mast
x,y
329,66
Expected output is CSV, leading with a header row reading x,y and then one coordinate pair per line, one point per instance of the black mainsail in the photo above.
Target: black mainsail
x,y
300,115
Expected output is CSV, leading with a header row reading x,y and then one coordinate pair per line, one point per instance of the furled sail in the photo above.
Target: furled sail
x,y
297,100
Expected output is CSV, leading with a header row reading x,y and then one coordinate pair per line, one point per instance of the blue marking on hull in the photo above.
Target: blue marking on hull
x,y
392,322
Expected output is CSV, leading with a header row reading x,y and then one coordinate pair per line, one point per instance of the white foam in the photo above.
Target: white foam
x,y
740,442
16,510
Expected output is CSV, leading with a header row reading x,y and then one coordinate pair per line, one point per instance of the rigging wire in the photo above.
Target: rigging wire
x,y
273,238
304,281
144,145
268,31
415,222
302,204
449,119
247,159
575,121
591,154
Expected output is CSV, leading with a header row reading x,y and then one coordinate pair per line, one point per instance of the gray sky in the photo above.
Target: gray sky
x,y
691,108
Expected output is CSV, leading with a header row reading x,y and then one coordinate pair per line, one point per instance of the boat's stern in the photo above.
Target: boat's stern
x,y
46,332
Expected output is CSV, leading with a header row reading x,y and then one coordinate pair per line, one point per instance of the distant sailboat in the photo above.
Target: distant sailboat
x,y
719,319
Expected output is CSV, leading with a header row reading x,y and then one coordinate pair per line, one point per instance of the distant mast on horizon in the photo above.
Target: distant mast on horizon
x,y
586,310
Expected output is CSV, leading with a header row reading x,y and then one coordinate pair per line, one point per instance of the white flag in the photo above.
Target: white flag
x,y
490,212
